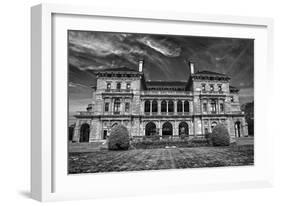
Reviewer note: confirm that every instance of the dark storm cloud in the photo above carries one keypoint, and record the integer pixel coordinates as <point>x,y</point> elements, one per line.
<point>165,56</point>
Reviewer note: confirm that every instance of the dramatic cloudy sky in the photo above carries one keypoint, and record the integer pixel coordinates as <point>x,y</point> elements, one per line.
<point>165,59</point>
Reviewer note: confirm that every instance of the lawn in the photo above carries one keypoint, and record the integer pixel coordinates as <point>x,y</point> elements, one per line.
<point>155,159</point>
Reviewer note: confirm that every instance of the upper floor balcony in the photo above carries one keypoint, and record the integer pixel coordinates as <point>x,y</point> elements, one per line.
<point>167,113</point>
<point>118,90</point>
<point>85,113</point>
<point>212,93</point>
<point>165,93</point>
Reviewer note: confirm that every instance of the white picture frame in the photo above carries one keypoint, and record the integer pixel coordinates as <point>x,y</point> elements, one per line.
<point>49,179</point>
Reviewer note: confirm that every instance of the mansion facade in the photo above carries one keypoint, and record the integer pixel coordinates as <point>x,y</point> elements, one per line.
<point>165,108</point>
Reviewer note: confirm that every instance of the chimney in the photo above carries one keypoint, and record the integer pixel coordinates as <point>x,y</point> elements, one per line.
<point>140,65</point>
<point>191,66</point>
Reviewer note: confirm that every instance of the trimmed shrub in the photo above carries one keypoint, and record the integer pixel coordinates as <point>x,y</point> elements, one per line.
<point>220,136</point>
<point>119,138</point>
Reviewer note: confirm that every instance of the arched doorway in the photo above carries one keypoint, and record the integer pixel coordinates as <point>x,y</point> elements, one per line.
<point>237,128</point>
<point>84,132</point>
<point>183,129</point>
<point>150,129</point>
<point>167,129</point>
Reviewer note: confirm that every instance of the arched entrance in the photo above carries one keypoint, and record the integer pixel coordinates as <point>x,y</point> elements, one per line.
<point>237,128</point>
<point>150,129</point>
<point>84,132</point>
<point>167,129</point>
<point>183,129</point>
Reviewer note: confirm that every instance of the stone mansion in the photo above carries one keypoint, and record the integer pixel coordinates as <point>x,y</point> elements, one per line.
<point>166,108</point>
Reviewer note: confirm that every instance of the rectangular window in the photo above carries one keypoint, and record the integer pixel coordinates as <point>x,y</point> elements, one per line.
<point>128,87</point>
<point>117,106</point>
<point>106,107</point>
<point>127,107</point>
<point>108,86</point>
<point>221,107</point>
<point>204,107</point>
<point>118,86</point>
<point>220,88</point>
<point>213,107</point>
<point>203,87</point>
<point>211,87</point>
<point>232,99</point>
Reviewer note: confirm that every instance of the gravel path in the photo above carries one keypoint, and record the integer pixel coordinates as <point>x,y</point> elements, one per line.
<point>155,159</point>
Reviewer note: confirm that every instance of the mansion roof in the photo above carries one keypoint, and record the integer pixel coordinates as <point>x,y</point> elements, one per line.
<point>205,74</point>
<point>208,73</point>
<point>163,84</point>
<point>117,70</point>
<point>160,84</point>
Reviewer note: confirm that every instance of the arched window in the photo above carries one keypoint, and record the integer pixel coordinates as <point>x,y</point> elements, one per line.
<point>170,106</point>
<point>179,106</point>
<point>237,128</point>
<point>150,129</point>
<point>147,106</point>
<point>127,107</point>
<point>183,129</point>
<point>186,106</point>
<point>113,125</point>
<point>213,125</point>
<point>213,106</point>
<point>117,106</point>
<point>221,107</point>
<point>163,106</point>
<point>154,106</point>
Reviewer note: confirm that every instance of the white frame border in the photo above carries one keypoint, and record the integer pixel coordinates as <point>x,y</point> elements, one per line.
<point>42,155</point>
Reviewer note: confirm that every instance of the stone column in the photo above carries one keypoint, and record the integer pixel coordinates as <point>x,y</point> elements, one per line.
<point>182,102</point>
<point>217,104</point>
<point>160,128</point>
<point>208,105</point>
<point>167,103</point>
<point>76,134</point>
<point>159,107</point>
<point>95,126</point>
<point>150,107</point>
<point>191,107</point>
<point>112,106</point>
<point>175,129</point>
<point>122,106</point>
<point>143,104</point>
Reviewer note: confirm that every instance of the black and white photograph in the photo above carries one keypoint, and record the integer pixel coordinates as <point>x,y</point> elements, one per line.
<point>153,102</point>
